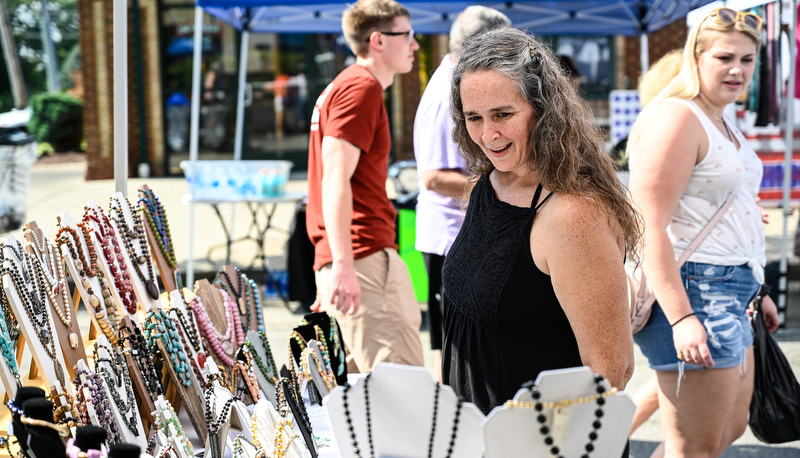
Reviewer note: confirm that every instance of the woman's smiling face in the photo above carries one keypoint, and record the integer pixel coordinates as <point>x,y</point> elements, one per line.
<point>498,118</point>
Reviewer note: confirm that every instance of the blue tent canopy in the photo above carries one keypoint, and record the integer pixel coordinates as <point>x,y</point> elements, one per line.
<point>543,17</point>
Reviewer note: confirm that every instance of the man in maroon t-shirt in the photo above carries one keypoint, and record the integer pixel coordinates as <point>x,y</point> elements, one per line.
<point>360,278</point>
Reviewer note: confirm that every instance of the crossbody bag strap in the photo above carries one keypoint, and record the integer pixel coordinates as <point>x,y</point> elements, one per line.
<point>706,230</point>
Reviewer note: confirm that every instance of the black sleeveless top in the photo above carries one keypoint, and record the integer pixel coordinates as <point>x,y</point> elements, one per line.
<point>502,322</point>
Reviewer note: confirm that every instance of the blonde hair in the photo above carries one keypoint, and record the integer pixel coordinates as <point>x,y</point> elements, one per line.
<point>565,146</point>
<point>686,85</point>
<point>366,16</point>
<point>659,75</point>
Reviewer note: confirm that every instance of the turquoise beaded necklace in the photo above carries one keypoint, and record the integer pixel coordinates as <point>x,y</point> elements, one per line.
<point>159,325</point>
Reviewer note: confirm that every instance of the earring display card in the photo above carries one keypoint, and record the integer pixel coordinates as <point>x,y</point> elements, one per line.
<point>624,107</point>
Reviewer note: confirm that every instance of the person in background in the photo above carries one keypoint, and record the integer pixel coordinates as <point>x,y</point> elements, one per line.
<point>546,214</point>
<point>698,338</point>
<point>571,70</point>
<point>361,279</point>
<point>441,169</point>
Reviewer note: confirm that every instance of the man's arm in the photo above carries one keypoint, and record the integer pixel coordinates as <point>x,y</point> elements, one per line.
<point>339,161</point>
<point>447,182</point>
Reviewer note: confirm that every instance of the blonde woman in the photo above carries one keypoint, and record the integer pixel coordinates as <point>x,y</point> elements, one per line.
<point>686,158</point>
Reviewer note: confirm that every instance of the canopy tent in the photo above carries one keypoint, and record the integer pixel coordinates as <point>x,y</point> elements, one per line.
<point>543,17</point>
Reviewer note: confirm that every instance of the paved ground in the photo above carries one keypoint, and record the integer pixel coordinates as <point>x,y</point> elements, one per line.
<point>60,187</point>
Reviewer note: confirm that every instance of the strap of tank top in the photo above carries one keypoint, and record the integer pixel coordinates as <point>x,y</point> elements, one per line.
<point>536,198</point>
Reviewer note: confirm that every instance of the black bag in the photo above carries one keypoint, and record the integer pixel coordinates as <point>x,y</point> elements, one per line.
<point>775,408</point>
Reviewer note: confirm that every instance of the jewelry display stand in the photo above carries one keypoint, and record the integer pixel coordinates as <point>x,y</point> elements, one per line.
<point>512,431</point>
<point>146,404</point>
<point>69,333</point>
<point>103,263</point>
<point>399,427</point>
<point>177,302</point>
<point>169,274</point>
<point>235,275</point>
<point>54,370</point>
<point>265,382</point>
<point>316,377</point>
<point>89,287</point>
<point>126,434</point>
<point>167,434</point>
<point>215,309</point>
<point>235,416</point>
<point>129,228</point>
<point>87,394</point>
<point>266,422</point>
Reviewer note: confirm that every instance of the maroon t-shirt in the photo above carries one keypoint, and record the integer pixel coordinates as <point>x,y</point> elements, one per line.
<point>351,108</point>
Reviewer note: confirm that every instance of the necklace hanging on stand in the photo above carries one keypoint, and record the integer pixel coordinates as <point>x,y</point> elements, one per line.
<point>138,257</point>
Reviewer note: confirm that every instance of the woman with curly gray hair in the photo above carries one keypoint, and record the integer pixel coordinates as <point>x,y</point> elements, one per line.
<point>535,279</point>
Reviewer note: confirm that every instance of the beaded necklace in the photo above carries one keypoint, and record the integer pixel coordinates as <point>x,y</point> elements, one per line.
<point>215,424</point>
<point>221,345</point>
<point>159,325</point>
<point>244,371</point>
<point>254,294</point>
<point>238,295</point>
<point>144,359</point>
<point>305,364</point>
<point>37,316</point>
<point>115,372</point>
<point>157,218</point>
<point>99,400</point>
<point>140,256</point>
<point>19,252</point>
<point>539,406</point>
<point>283,439</point>
<point>54,273</point>
<point>10,320</point>
<point>264,368</point>
<point>351,428</point>
<point>166,420</point>
<point>113,255</point>
<point>190,336</point>
<point>53,270</point>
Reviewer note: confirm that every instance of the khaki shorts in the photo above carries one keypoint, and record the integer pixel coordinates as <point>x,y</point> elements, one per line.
<point>386,326</point>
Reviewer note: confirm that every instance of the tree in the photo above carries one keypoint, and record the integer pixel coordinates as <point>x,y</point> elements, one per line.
<point>26,18</point>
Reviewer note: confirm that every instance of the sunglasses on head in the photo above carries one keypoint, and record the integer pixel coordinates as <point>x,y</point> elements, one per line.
<point>731,16</point>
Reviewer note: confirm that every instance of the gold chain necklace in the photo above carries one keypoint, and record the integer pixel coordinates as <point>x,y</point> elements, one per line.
<point>708,110</point>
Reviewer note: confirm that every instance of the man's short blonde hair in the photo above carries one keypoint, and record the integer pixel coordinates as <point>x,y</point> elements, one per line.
<point>367,16</point>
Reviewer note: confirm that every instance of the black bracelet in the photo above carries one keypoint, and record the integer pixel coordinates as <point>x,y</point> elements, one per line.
<point>681,319</point>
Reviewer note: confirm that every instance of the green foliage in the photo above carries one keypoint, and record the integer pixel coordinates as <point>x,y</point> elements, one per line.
<point>25,21</point>
<point>57,119</point>
<point>46,149</point>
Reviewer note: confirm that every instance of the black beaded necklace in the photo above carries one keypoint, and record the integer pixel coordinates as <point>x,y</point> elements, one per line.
<point>142,255</point>
<point>144,360</point>
<point>37,316</point>
<point>539,406</point>
<point>351,428</point>
<point>238,296</point>
<point>117,369</point>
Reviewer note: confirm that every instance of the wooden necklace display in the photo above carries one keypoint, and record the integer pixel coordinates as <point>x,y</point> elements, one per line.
<point>215,310</point>
<point>77,250</point>
<point>156,228</point>
<point>33,317</point>
<point>52,264</point>
<point>564,413</point>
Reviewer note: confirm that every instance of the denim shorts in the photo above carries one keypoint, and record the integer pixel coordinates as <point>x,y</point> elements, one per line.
<point>719,296</point>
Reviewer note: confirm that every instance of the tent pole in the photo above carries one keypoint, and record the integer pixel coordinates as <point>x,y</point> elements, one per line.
<point>120,24</point>
<point>243,51</point>
<point>787,164</point>
<point>194,130</point>
<point>644,52</point>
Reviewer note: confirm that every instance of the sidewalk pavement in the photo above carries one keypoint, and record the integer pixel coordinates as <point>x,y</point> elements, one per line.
<point>57,188</point>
